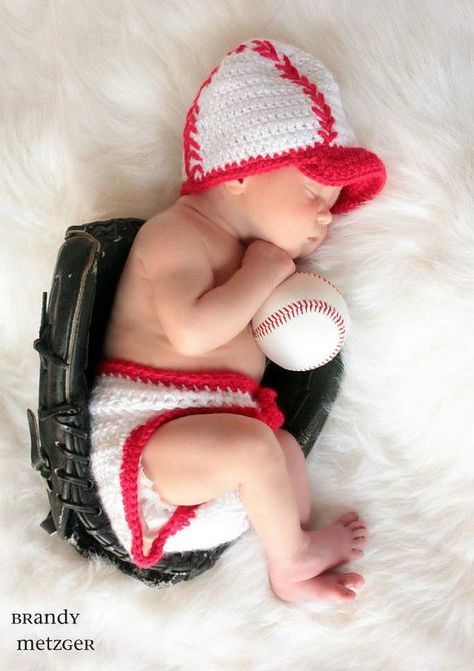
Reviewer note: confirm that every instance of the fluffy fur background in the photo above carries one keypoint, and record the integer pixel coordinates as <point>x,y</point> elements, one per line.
<point>93,100</point>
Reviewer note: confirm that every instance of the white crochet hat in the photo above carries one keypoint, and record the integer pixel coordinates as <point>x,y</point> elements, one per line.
<point>269,105</point>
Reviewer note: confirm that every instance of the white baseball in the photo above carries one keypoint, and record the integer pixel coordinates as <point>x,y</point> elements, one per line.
<point>303,323</point>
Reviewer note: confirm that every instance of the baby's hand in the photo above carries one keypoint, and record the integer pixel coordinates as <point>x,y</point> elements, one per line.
<point>269,260</point>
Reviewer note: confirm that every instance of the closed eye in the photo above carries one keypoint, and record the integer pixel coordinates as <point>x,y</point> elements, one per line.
<point>333,200</point>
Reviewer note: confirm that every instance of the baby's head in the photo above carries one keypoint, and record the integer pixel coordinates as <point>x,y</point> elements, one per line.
<point>269,117</point>
<point>282,206</point>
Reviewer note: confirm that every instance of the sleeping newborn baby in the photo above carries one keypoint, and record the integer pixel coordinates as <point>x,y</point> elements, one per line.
<point>187,448</point>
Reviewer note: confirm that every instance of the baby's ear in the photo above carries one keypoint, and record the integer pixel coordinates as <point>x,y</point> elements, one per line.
<point>236,186</point>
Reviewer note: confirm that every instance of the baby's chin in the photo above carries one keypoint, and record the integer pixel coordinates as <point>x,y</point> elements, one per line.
<point>307,248</point>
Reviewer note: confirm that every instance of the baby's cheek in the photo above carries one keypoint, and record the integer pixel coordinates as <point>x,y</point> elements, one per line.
<point>323,234</point>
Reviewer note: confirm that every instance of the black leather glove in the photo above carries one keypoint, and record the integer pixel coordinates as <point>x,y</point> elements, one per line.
<point>73,324</point>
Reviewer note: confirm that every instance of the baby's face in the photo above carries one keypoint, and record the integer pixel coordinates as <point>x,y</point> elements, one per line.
<point>291,210</point>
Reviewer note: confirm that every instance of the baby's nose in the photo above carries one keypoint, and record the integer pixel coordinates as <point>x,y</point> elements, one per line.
<point>324,218</point>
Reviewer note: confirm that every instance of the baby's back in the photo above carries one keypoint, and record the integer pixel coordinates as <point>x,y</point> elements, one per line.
<point>135,332</point>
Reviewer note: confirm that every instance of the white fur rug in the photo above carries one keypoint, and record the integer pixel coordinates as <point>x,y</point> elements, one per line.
<point>93,100</point>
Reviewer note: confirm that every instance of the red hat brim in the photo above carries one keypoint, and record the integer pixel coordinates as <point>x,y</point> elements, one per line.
<point>360,172</point>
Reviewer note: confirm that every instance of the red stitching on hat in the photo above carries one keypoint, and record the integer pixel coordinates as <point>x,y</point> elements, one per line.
<point>359,188</point>
<point>267,50</point>
<point>190,127</point>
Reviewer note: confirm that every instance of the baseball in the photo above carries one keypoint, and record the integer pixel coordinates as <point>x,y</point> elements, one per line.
<point>303,323</point>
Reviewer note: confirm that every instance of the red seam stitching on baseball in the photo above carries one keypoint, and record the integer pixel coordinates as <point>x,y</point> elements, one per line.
<point>321,277</point>
<point>296,308</point>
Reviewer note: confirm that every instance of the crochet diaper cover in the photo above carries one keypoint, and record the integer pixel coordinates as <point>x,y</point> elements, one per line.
<point>128,403</point>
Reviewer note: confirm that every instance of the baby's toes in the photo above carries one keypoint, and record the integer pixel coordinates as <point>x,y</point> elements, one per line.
<point>351,580</point>
<point>356,553</point>
<point>349,518</point>
<point>358,528</point>
<point>359,542</point>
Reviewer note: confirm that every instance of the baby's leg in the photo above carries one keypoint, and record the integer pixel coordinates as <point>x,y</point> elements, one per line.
<point>198,457</point>
<point>298,474</point>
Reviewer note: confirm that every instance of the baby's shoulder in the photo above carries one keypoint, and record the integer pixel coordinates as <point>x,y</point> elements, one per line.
<point>168,235</point>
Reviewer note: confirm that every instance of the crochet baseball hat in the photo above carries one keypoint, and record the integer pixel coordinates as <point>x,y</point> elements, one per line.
<point>270,105</point>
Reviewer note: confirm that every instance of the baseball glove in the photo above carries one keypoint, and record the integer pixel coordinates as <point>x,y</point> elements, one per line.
<point>72,329</point>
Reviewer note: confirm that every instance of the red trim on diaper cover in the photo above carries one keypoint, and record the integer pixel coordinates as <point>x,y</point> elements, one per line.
<point>267,412</point>
<point>213,379</point>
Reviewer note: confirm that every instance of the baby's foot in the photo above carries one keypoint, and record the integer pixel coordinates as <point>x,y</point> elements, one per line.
<point>325,548</point>
<point>328,586</point>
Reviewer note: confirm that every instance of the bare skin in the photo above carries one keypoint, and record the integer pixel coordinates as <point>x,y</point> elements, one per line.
<point>195,276</point>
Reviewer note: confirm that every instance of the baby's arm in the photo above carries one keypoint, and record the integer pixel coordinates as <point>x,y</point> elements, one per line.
<point>196,316</point>
<point>227,309</point>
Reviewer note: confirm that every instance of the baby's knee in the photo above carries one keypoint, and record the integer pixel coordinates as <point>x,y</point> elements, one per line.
<point>288,443</point>
<point>285,438</point>
<point>260,445</point>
